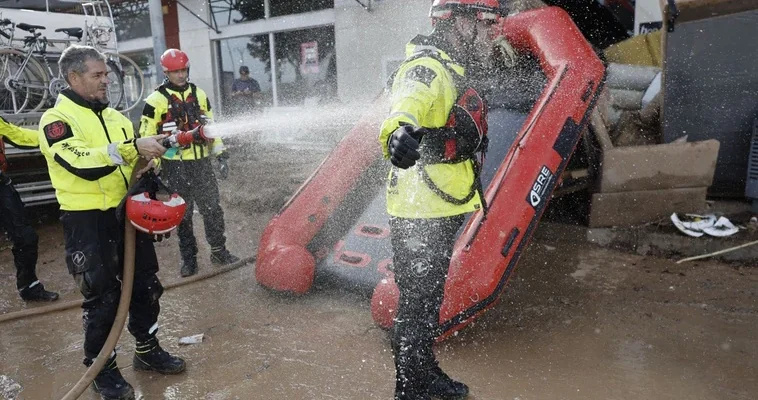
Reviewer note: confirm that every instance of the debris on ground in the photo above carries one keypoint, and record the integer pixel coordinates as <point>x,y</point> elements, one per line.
<point>698,225</point>
<point>9,389</point>
<point>194,339</point>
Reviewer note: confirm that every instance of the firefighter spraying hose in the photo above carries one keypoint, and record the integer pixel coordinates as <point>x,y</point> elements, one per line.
<point>91,150</point>
<point>203,133</point>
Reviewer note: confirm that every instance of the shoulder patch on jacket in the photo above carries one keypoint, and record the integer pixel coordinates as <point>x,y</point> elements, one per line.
<point>148,111</point>
<point>57,131</point>
<point>421,74</point>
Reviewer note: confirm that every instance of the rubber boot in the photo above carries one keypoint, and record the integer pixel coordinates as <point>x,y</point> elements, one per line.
<point>444,387</point>
<point>37,292</point>
<point>223,257</point>
<point>149,356</point>
<point>189,267</point>
<point>109,383</point>
<point>410,379</point>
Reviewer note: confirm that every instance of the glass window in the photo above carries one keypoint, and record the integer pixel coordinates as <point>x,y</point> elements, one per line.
<point>132,19</point>
<point>287,7</point>
<point>144,59</point>
<point>228,12</point>
<point>251,52</point>
<point>307,70</point>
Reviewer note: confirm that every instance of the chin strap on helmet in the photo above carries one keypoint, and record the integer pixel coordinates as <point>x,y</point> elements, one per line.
<point>149,214</point>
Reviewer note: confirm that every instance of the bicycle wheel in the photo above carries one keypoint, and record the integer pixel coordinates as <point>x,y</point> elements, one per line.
<point>24,85</point>
<point>12,99</point>
<point>132,82</point>
<point>115,84</point>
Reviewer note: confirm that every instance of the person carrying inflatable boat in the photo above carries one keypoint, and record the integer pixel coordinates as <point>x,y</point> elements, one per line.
<point>433,136</point>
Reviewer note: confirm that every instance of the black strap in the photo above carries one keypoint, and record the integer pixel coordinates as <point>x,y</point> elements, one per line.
<point>445,196</point>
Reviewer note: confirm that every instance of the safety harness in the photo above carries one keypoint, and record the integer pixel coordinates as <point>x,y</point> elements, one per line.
<point>463,136</point>
<point>185,113</point>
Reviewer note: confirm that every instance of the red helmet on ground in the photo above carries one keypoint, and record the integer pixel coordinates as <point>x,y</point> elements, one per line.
<point>155,217</point>
<point>482,9</point>
<point>174,60</point>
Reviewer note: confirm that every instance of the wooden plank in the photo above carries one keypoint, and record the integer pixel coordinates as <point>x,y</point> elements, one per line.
<point>600,130</point>
<point>641,207</point>
<point>656,167</point>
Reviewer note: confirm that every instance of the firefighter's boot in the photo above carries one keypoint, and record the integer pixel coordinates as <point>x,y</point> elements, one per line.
<point>189,266</point>
<point>37,292</point>
<point>444,387</point>
<point>149,356</point>
<point>109,383</point>
<point>222,256</point>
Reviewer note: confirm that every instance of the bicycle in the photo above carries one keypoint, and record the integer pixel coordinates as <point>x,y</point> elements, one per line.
<point>22,76</point>
<point>35,82</point>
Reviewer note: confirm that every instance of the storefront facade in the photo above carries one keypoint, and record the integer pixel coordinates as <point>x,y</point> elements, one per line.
<point>300,52</point>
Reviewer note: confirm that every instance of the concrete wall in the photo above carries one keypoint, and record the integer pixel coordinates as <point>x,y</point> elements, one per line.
<point>366,42</point>
<point>195,41</point>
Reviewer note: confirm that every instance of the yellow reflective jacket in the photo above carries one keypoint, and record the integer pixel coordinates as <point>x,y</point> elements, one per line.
<point>170,108</point>
<point>18,137</point>
<point>422,95</point>
<point>90,153</point>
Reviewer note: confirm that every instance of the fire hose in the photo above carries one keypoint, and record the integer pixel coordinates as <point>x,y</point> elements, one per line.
<point>123,310</point>
<point>127,285</point>
<point>118,324</point>
<point>62,306</point>
<point>140,205</point>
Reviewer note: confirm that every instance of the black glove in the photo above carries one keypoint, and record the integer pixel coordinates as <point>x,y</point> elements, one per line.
<point>403,147</point>
<point>223,166</point>
<point>159,238</point>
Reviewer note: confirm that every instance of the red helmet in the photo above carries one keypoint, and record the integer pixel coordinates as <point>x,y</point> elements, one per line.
<point>146,212</point>
<point>174,60</point>
<point>155,217</point>
<point>482,9</point>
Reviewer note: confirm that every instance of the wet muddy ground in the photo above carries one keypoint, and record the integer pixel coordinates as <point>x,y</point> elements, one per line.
<point>576,322</point>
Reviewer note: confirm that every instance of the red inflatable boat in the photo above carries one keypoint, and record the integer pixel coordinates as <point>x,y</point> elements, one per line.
<point>335,231</point>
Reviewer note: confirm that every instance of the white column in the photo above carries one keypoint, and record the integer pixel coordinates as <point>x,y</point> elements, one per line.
<point>194,37</point>
<point>272,55</point>
<point>158,32</point>
<point>274,83</point>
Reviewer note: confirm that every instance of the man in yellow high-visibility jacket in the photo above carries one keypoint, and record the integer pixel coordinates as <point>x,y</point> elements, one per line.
<point>437,125</point>
<point>177,104</point>
<point>13,218</point>
<point>91,151</point>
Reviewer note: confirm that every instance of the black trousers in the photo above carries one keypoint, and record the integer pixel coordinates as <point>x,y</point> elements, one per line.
<point>94,256</point>
<point>13,221</point>
<point>195,181</point>
<point>422,251</point>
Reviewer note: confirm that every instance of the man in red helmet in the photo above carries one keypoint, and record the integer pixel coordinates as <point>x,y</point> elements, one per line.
<point>436,127</point>
<point>91,151</point>
<point>179,105</point>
